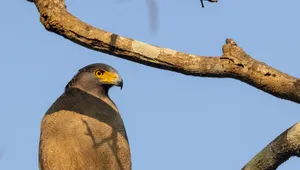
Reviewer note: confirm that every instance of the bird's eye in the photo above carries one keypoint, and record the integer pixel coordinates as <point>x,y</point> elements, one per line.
<point>98,73</point>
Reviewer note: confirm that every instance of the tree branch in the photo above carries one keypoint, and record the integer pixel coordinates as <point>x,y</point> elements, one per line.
<point>278,151</point>
<point>234,63</point>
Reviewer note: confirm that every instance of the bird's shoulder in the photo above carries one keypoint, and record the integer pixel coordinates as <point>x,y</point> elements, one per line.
<point>80,102</point>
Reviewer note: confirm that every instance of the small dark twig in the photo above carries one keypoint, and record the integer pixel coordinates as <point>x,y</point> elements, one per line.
<point>202,3</point>
<point>214,1</point>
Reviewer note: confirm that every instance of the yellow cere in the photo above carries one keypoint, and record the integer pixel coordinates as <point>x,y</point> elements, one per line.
<point>106,76</point>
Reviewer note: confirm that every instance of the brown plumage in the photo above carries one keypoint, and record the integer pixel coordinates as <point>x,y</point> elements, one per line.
<point>83,129</point>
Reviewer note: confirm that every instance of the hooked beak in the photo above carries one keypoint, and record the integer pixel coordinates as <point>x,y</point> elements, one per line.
<point>119,82</point>
<point>112,79</point>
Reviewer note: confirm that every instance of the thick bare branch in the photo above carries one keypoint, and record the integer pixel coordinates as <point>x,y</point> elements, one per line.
<point>234,63</point>
<point>278,151</point>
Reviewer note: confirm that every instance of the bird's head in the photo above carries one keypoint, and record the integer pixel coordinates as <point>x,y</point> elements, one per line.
<point>95,77</point>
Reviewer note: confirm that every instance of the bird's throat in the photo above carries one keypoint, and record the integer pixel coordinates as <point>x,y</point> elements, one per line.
<point>101,93</point>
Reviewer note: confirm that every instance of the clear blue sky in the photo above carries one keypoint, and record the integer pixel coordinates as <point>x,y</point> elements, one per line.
<point>173,121</point>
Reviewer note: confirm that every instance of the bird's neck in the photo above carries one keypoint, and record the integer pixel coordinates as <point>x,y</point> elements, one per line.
<point>101,93</point>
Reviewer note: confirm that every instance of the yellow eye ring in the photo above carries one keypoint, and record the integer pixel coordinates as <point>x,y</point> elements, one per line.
<point>98,73</point>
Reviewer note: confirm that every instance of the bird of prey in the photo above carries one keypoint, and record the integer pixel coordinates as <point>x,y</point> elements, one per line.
<point>83,129</point>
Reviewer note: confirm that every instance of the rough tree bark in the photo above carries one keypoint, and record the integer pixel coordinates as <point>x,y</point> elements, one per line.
<point>234,63</point>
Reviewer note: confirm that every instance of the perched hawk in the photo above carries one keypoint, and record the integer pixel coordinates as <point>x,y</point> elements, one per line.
<point>83,129</point>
